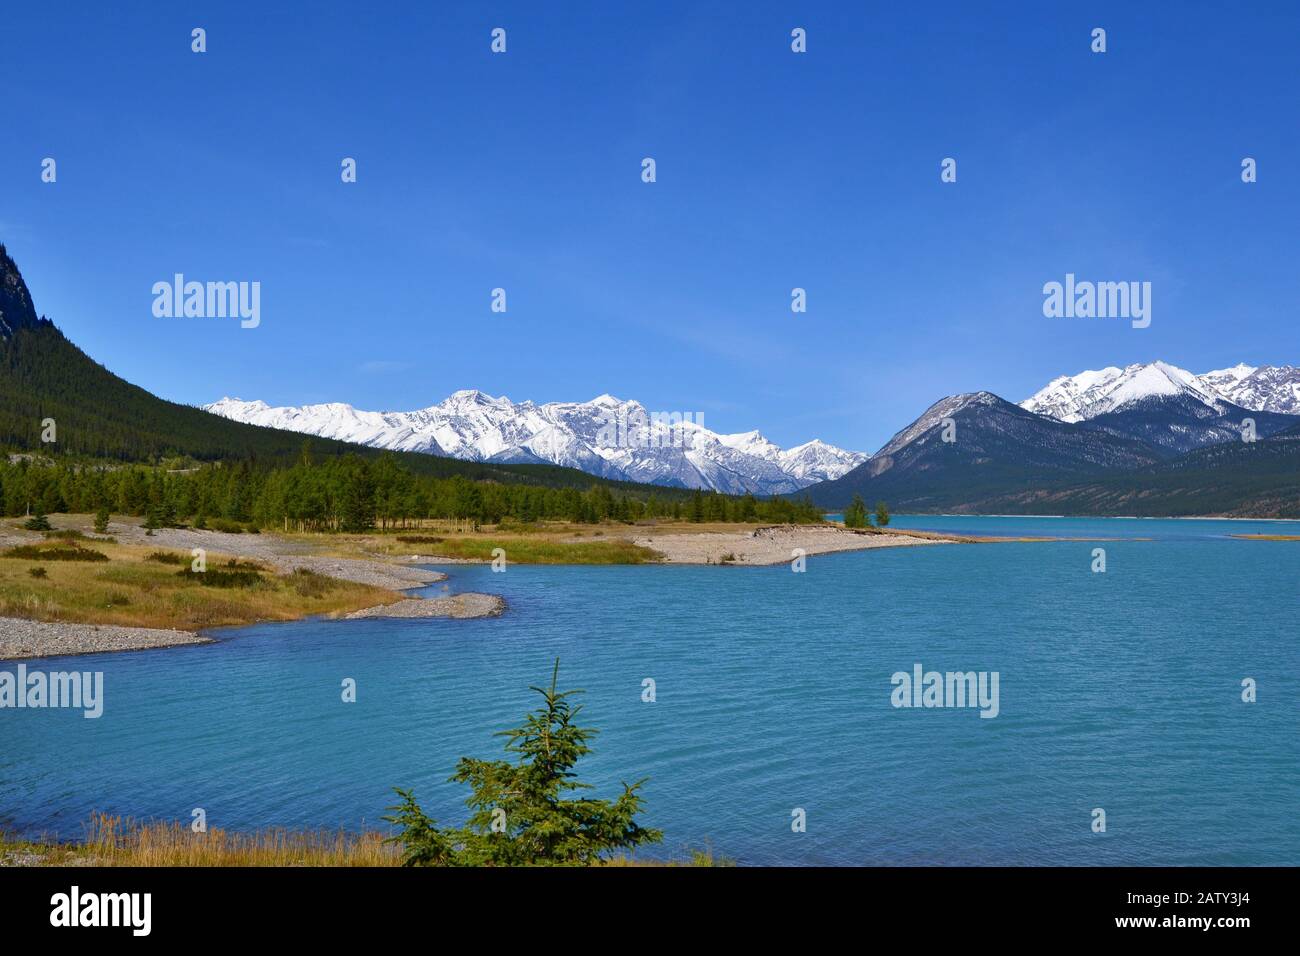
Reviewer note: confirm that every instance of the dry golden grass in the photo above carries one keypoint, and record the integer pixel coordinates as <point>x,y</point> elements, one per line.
<point>131,590</point>
<point>538,550</point>
<point>114,841</point>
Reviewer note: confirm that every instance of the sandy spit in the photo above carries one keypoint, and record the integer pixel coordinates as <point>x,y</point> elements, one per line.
<point>469,604</point>
<point>772,545</point>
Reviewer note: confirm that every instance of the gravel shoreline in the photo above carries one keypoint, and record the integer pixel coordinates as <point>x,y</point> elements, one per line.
<point>24,639</point>
<point>284,556</point>
<point>21,639</point>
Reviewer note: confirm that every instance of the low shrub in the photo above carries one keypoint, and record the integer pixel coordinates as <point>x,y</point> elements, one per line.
<point>248,565</point>
<point>308,583</point>
<point>45,552</point>
<point>167,557</point>
<point>223,577</point>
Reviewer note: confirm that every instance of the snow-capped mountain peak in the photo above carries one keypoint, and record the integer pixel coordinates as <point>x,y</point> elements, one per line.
<point>1227,376</point>
<point>606,436</point>
<point>751,443</point>
<point>1076,398</point>
<point>817,461</point>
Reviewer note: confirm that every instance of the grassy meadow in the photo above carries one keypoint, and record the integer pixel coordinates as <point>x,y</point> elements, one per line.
<point>95,580</point>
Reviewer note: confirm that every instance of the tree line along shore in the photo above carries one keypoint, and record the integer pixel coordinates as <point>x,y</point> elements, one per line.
<point>350,493</point>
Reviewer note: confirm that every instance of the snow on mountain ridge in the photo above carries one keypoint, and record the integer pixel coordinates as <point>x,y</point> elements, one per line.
<point>1229,375</point>
<point>934,415</point>
<point>1268,388</point>
<point>1074,398</point>
<point>606,436</point>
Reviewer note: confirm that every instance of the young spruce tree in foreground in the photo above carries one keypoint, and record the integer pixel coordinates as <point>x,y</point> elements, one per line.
<point>520,816</point>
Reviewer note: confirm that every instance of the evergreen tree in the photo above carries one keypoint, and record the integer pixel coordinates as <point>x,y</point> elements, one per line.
<point>882,514</point>
<point>520,816</point>
<point>37,522</point>
<point>166,514</point>
<point>855,516</point>
<point>101,520</point>
<point>51,501</point>
<point>358,504</point>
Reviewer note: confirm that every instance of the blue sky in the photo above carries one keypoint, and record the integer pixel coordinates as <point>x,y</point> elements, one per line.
<point>775,170</point>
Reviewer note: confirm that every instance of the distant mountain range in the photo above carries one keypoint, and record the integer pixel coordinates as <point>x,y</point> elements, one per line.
<point>101,416</point>
<point>1113,421</point>
<point>606,436</point>
<point>1149,439</point>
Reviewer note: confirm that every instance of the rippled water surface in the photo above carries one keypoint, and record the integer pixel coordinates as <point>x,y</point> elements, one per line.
<point>1119,690</point>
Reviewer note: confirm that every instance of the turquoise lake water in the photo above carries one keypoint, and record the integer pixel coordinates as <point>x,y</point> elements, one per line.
<point>1119,691</point>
